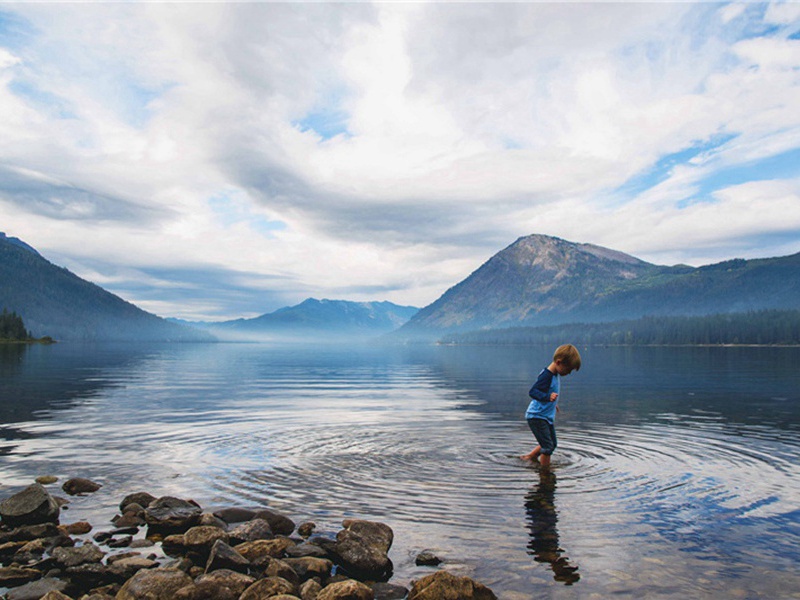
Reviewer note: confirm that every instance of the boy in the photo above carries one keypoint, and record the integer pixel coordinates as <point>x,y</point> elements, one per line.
<point>541,413</point>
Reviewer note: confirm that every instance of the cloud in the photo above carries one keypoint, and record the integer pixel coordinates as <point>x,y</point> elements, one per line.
<point>208,160</point>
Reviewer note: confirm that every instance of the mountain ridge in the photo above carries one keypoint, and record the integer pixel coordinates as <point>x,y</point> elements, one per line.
<point>544,280</point>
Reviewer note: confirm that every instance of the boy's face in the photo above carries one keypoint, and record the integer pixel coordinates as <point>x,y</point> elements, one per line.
<point>563,368</point>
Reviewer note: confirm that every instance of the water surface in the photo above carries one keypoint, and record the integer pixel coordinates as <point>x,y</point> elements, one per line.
<point>676,474</point>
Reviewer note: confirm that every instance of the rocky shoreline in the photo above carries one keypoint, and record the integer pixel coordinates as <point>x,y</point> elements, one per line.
<point>189,554</point>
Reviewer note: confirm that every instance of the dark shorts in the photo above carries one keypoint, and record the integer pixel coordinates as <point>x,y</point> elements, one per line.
<point>545,434</point>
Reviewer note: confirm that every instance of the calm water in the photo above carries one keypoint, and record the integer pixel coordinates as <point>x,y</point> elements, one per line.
<point>676,474</point>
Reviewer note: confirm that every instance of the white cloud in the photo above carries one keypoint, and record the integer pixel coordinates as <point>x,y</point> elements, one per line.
<point>461,127</point>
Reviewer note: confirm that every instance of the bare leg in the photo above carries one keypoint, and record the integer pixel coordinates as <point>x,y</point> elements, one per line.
<point>545,460</point>
<point>533,454</point>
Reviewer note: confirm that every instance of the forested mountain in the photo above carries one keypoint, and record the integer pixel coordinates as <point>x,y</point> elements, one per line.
<point>541,280</point>
<point>316,319</point>
<point>54,302</point>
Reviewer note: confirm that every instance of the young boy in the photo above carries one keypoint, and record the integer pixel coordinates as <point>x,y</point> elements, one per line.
<point>541,413</point>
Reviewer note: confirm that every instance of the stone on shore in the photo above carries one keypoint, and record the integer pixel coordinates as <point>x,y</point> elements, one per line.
<point>250,531</point>
<point>269,587</point>
<point>11,576</point>
<point>362,549</point>
<point>235,514</point>
<point>276,548</point>
<point>222,556</point>
<point>35,590</point>
<point>388,591</point>
<point>154,584</point>
<point>72,557</point>
<point>31,506</point>
<point>79,485</point>
<point>349,589</point>
<point>172,514</point>
<point>46,479</point>
<point>308,567</point>
<point>201,539</point>
<point>446,586</point>
<point>280,524</point>
<point>237,582</point>
<point>55,595</point>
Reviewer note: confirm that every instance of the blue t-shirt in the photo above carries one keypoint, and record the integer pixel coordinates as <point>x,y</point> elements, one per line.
<point>540,406</point>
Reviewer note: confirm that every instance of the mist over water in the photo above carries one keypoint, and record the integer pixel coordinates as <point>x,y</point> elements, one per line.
<point>676,473</point>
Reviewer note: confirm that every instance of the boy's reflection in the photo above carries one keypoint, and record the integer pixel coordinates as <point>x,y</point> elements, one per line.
<point>542,519</point>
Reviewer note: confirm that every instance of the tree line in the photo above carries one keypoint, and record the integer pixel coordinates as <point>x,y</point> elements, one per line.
<point>763,327</point>
<point>12,327</point>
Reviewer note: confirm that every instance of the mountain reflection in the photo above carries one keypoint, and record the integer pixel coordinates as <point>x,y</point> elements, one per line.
<point>542,519</point>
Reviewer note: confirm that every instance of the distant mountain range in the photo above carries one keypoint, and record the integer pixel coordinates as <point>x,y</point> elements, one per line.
<point>538,280</point>
<point>316,319</point>
<point>54,302</point>
<point>541,280</point>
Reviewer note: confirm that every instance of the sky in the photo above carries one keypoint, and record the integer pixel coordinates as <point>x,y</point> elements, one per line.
<point>210,161</point>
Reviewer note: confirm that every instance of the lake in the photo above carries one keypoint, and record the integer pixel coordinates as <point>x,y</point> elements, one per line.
<point>677,473</point>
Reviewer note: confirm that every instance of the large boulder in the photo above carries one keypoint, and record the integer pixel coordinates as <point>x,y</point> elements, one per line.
<point>172,514</point>
<point>346,590</point>
<point>361,549</point>
<point>446,586</point>
<point>154,584</point>
<point>140,498</point>
<point>31,506</point>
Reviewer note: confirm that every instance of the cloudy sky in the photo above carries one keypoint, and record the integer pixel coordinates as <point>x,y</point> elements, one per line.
<point>219,160</point>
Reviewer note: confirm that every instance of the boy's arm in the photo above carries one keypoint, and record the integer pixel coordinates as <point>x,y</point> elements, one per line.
<point>541,389</point>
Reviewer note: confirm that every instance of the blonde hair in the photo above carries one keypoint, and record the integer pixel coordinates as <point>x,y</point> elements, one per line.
<point>569,355</point>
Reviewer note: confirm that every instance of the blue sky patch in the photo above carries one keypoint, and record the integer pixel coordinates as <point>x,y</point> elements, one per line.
<point>230,210</point>
<point>328,119</point>
<point>664,167</point>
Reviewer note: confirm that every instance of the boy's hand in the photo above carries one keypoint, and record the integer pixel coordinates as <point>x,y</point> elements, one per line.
<point>553,397</point>
<point>558,409</point>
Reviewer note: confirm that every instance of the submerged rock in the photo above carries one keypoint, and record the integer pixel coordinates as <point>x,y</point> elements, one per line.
<point>31,506</point>
<point>79,485</point>
<point>362,549</point>
<point>446,586</point>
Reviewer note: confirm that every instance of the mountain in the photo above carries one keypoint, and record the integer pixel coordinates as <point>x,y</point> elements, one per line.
<point>55,302</point>
<point>542,280</point>
<point>318,319</point>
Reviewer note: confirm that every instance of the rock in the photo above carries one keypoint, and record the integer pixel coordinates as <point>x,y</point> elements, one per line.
<point>427,559</point>
<point>154,584</point>
<point>237,582</point>
<point>142,499</point>
<point>35,590</point>
<point>306,549</point>
<point>79,485</point>
<point>174,545</point>
<point>201,539</point>
<point>446,586</point>
<point>388,591</point>
<point>308,567</point>
<point>209,520</point>
<point>46,479</point>
<point>90,575</point>
<point>122,542</point>
<point>361,549</point>
<point>346,590</point>
<point>79,528</point>
<point>306,529</point>
<point>278,568</point>
<point>250,531</point>
<point>14,576</point>
<point>30,532</point>
<point>31,506</point>
<point>72,557</point>
<point>204,591</point>
<point>144,543</point>
<point>373,533</point>
<point>280,524</point>
<point>310,589</point>
<point>100,594</point>
<point>254,550</point>
<point>55,595</point>
<point>125,568</point>
<point>268,587</point>
<point>222,556</point>
<point>235,514</point>
<point>172,514</point>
